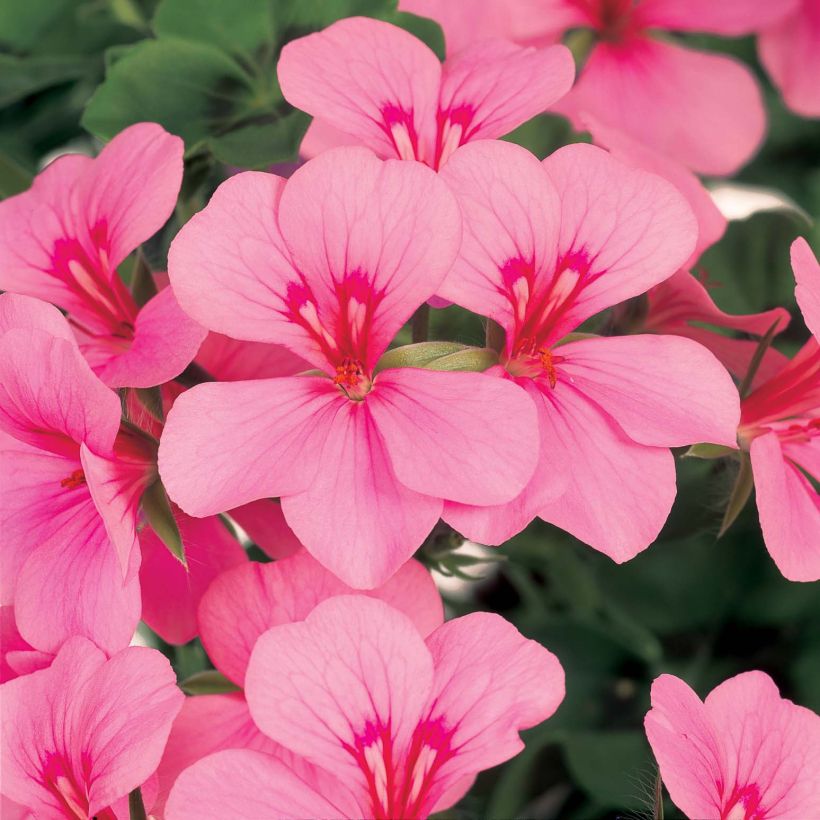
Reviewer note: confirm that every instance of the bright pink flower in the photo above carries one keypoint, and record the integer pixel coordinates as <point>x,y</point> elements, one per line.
<point>241,605</point>
<point>780,426</point>
<point>332,264</point>
<point>704,110</point>
<point>744,753</point>
<point>790,52</point>
<point>62,241</point>
<point>381,87</point>
<point>17,656</point>
<point>547,246</point>
<point>682,306</point>
<point>400,726</point>
<point>69,488</point>
<point>85,732</point>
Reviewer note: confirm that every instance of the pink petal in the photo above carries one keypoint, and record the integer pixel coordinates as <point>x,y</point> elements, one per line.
<point>673,99</point>
<point>72,587</point>
<point>17,656</point>
<point>50,398</point>
<point>233,247</point>
<point>356,518</point>
<point>732,18</point>
<point>690,756</point>
<point>170,592</point>
<point>165,343</point>
<point>632,228</point>
<point>789,509</point>
<point>321,136</point>
<point>232,360</point>
<point>495,86</point>
<point>238,784</point>
<point>132,186</point>
<point>711,222</point>
<point>265,524</point>
<point>449,435</point>
<point>664,391</point>
<point>229,443</point>
<point>26,312</point>
<point>369,79</point>
<point>619,493</point>
<point>353,671</point>
<point>789,52</point>
<point>245,602</point>
<point>807,274</point>
<point>353,224</point>
<point>511,211</point>
<point>30,225</point>
<point>772,745</point>
<point>490,683</point>
<point>229,726</point>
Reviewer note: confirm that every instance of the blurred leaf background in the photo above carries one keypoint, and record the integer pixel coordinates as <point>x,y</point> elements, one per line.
<point>75,72</point>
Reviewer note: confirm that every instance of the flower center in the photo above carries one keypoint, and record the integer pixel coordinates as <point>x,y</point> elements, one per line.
<point>351,378</point>
<point>535,362</point>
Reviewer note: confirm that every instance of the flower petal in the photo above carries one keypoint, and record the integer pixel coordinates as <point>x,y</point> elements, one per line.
<point>225,444</point>
<point>664,391</point>
<point>449,434</point>
<point>732,18</point>
<point>807,273</point>
<point>356,518</point>
<point>789,509</point>
<point>369,79</point>
<point>265,524</point>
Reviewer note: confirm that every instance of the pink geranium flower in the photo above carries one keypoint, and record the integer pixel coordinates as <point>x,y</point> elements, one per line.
<point>241,605</point>
<point>790,51</point>
<point>546,246</point>
<point>332,264</point>
<point>780,426</point>
<point>62,241</point>
<point>744,753</point>
<point>397,726</point>
<point>69,488</point>
<point>704,110</point>
<point>79,736</point>
<point>371,83</point>
<point>683,306</point>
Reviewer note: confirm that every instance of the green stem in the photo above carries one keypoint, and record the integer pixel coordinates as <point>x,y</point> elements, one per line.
<point>420,324</point>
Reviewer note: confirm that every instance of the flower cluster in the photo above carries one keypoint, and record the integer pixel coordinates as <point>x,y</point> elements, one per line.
<point>267,385</point>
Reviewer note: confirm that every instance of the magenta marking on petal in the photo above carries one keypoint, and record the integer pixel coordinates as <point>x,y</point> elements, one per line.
<point>399,126</point>
<point>744,804</point>
<point>453,130</point>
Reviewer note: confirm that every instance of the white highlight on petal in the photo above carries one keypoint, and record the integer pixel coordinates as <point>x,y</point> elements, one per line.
<point>309,313</point>
<point>424,762</point>
<point>356,313</point>
<point>374,757</point>
<point>401,137</point>
<point>521,292</point>
<point>86,281</point>
<point>450,140</point>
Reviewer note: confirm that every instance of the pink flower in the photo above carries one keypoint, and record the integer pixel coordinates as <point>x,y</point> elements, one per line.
<point>397,726</point>
<point>373,84</point>
<point>780,426</point>
<point>332,264</point>
<point>17,656</point>
<point>744,753</point>
<point>546,247</point>
<point>704,110</point>
<point>62,241</point>
<point>79,736</point>
<point>682,306</point>
<point>790,51</point>
<point>69,488</point>
<point>241,605</point>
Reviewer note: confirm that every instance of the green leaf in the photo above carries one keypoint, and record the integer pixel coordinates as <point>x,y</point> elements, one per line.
<point>743,486</point>
<point>419,354</point>
<point>709,451</point>
<point>428,31</point>
<point>22,23</point>
<point>23,76</point>
<point>13,177</point>
<point>208,682</point>
<point>613,768</point>
<point>160,518</point>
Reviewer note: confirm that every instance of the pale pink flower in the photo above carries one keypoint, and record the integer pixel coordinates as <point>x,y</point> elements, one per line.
<point>395,725</point>
<point>683,306</point>
<point>241,605</point>
<point>744,753</point>
<point>790,51</point>
<point>703,109</point>
<point>69,488</point>
<point>371,83</point>
<point>547,246</point>
<point>332,264</point>
<point>780,426</point>
<point>79,736</point>
<point>62,241</point>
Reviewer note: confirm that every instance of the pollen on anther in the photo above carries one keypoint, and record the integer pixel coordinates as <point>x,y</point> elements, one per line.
<point>74,480</point>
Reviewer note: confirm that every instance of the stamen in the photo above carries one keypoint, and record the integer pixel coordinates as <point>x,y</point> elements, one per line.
<point>76,479</point>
